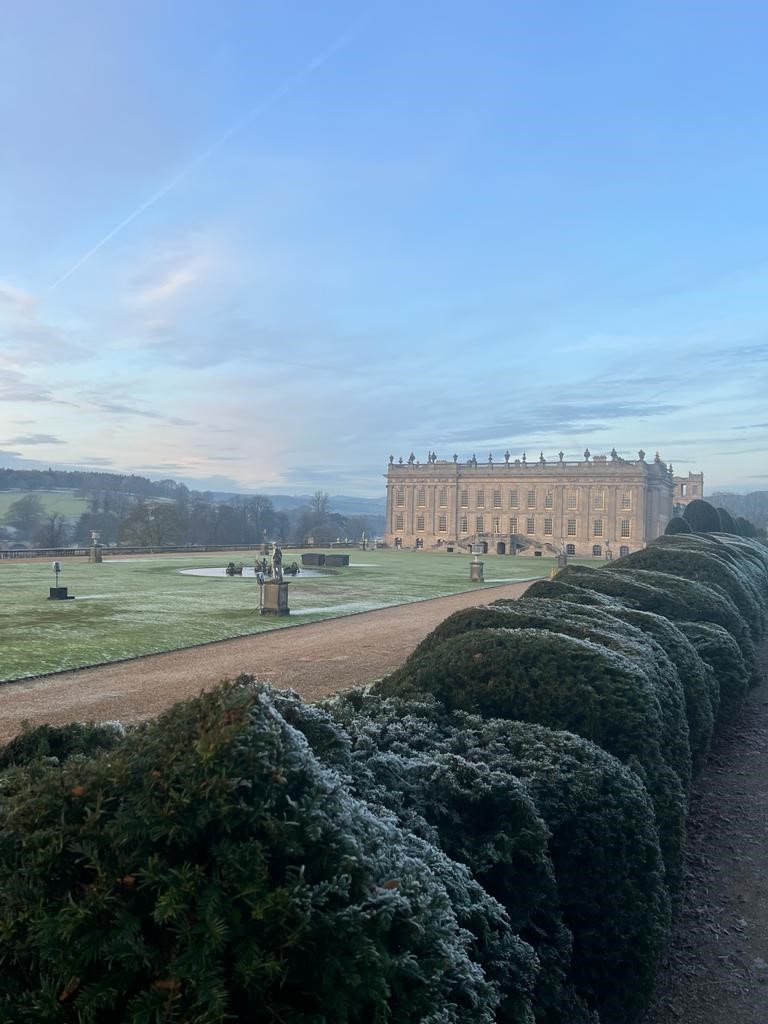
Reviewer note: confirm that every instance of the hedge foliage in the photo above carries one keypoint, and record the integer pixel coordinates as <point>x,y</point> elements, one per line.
<point>210,868</point>
<point>678,525</point>
<point>564,683</point>
<point>701,516</point>
<point>719,650</point>
<point>602,835</point>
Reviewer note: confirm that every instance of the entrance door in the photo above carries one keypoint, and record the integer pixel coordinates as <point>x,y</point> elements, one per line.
<point>501,548</point>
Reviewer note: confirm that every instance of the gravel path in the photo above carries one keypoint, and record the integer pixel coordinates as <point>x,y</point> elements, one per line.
<point>315,659</point>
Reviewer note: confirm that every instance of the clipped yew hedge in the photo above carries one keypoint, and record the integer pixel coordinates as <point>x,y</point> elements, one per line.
<point>209,868</point>
<point>564,683</point>
<point>720,651</point>
<point>602,835</point>
<point>59,742</point>
<point>588,623</point>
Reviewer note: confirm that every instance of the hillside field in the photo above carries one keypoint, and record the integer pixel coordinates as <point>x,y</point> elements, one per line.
<point>65,503</point>
<point>125,607</point>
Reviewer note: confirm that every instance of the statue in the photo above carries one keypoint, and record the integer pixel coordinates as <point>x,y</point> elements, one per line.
<point>277,564</point>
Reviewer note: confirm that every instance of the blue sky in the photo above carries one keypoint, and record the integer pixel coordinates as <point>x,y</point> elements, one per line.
<point>266,245</point>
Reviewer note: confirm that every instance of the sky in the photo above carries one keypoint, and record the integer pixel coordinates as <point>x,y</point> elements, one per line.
<point>263,246</point>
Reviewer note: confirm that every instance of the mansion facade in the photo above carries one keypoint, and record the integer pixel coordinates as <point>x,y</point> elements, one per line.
<point>598,507</point>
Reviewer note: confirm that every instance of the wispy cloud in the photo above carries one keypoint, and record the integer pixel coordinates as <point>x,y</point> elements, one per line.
<point>31,439</point>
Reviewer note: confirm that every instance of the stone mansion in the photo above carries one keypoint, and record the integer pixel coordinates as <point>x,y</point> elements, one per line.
<point>598,507</point>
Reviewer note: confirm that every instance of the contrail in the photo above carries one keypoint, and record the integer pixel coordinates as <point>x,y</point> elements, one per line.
<point>283,90</point>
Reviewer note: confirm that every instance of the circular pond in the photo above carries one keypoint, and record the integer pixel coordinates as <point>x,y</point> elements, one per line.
<point>248,570</point>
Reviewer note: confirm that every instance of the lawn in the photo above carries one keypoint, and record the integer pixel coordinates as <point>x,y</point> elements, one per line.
<point>128,607</point>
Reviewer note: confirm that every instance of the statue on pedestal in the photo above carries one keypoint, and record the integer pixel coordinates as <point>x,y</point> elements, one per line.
<point>277,564</point>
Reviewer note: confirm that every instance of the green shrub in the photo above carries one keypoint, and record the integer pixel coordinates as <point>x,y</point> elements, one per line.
<point>209,868</point>
<point>705,567</point>
<point>727,522</point>
<point>720,651</point>
<point>745,527</point>
<point>701,516</point>
<point>678,525</point>
<point>59,742</point>
<point>603,838</point>
<point>563,683</point>
<point>589,623</point>
<point>676,598</point>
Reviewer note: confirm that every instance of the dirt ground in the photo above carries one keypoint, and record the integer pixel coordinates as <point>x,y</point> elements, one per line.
<point>716,971</point>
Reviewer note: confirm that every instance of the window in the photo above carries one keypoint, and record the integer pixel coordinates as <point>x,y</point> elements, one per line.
<point>400,497</point>
<point>463,525</point>
<point>530,526</point>
<point>623,550</point>
<point>598,530</point>
<point>421,496</point>
<point>570,527</point>
<point>513,498</point>
<point>547,527</point>
<point>442,497</point>
<point>625,501</point>
<point>481,499</point>
<point>496,525</point>
<point>600,500</point>
<point>572,500</point>
<point>570,549</point>
<point>624,527</point>
<point>596,550</point>
<point>549,500</point>
<point>479,524</point>
<point>399,521</point>
<point>464,498</point>
<point>442,524</point>
<point>684,490</point>
<point>497,499</point>
<point>513,524</point>
<point>420,524</point>
<point>531,499</point>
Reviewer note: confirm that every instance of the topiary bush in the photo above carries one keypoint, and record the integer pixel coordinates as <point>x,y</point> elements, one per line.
<point>701,516</point>
<point>209,868</point>
<point>677,525</point>
<point>727,522</point>
<point>589,623</point>
<point>721,652</point>
<point>563,683</point>
<point>705,567</point>
<point>603,839</point>
<point>59,742</point>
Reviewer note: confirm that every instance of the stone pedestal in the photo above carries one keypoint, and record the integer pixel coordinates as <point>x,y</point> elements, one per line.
<point>94,555</point>
<point>58,594</point>
<point>476,572</point>
<point>562,561</point>
<point>275,601</point>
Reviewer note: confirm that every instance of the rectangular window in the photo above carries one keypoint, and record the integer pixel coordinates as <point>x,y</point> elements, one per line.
<point>421,497</point>
<point>399,521</point>
<point>624,527</point>
<point>513,498</point>
<point>598,531</point>
<point>549,500</point>
<point>497,499</point>
<point>442,497</point>
<point>481,499</point>
<point>570,527</point>
<point>513,524</point>
<point>464,498</point>
<point>531,499</point>
<point>600,500</point>
<point>625,501</point>
<point>496,525</point>
<point>420,524</point>
<point>548,527</point>
<point>530,526</point>
<point>479,524</point>
<point>463,525</point>
<point>442,524</point>
<point>399,498</point>
<point>572,500</point>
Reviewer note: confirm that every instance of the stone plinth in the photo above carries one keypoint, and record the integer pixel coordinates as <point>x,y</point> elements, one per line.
<point>337,559</point>
<point>59,594</point>
<point>94,555</point>
<point>312,558</point>
<point>476,572</point>
<point>275,598</point>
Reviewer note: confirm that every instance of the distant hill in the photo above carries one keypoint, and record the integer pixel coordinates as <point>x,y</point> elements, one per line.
<point>752,506</point>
